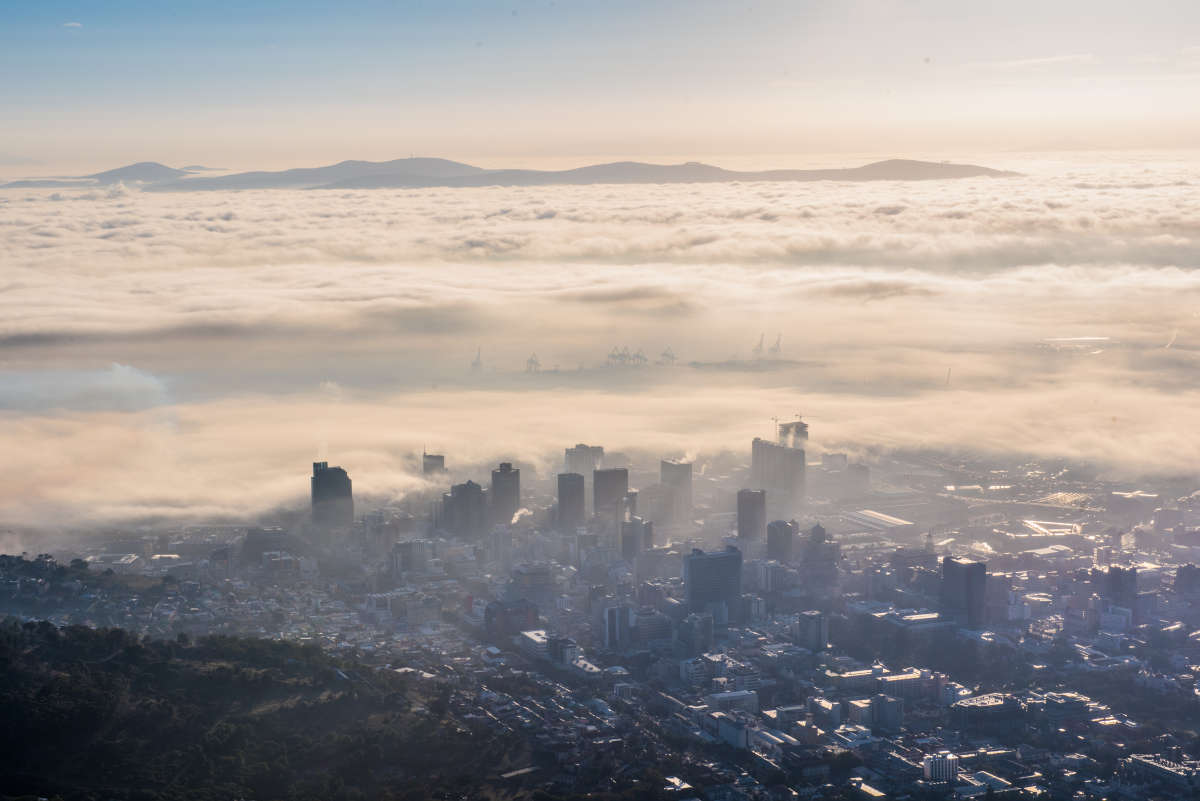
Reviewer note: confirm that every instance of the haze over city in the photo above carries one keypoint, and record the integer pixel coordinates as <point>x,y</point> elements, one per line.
<point>560,400</point>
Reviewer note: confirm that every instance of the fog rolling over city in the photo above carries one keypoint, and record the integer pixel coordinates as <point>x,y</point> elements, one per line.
<point>157,338</point>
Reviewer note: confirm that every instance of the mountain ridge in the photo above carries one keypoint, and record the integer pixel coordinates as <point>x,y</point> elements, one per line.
<point>428,172</point>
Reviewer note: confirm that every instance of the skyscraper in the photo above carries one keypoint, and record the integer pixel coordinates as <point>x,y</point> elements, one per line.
<point>1119,586</point>
<point>570,501</point>
<point>583,459</point>
<point>781,540</point>
<point>500,546</point>
<point>779,467</point>
<point>751,514</point>
<point>964,590</point>
<point>332,499</point>
<point>505,493</point>
<point>410,555</point>
<point>819,559</point>
<point>609,490</point>
<point>811,630</point>
<point>941,767</point>
<point>676,476</point>
<point>636,536</point>
<point>616,626</point>
<point>629,505</point>
<point>433,464</point>
<point>464,510</point>
<point>713,581</point>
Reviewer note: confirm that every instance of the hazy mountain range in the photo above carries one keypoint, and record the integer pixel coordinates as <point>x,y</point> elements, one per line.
<point>434,172</point>
<point>144,172</point>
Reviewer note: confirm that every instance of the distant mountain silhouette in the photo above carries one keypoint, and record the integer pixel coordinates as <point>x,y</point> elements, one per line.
<point>434,172</point>
<point>621,172</point>
<point>146,172</point>
<point>421,173</point>
<point>201,168</point>
<point>49,183</point>
<point>400,172</point>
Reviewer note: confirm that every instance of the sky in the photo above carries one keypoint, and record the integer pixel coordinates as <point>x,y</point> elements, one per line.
<point>274,84</point>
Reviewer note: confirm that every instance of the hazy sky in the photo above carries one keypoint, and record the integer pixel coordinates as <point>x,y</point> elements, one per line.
<point>281,83</point>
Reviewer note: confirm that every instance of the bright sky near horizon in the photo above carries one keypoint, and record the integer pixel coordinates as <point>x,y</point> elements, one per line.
<point>282,83</point>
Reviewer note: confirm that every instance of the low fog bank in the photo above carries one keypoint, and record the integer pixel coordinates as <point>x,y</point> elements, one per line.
<point>243,456</point>
<point>184,357</point>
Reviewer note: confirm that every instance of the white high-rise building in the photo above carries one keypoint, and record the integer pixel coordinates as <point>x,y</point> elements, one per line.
<point>940,767</point>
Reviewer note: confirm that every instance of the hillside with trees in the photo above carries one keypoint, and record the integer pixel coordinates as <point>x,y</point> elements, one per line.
<point>104,714</point>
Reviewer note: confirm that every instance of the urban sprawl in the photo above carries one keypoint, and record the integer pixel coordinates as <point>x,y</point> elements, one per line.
<point>764,627</point>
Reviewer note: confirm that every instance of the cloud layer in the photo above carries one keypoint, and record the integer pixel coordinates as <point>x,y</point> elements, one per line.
<point>152,343</point>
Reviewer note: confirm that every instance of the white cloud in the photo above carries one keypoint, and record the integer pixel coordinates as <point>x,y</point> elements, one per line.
<point>283,319</point>
<point>72,24</point>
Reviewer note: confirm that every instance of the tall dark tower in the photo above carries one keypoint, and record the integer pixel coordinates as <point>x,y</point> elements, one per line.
<point>780,467</point>
<point>713,580</point>
<point>332,499</point>
<point>781,540</point>
<point>964,590</point>
<point>571,499</point>
<point>1119,586</point>
<point>433,464</point>
<point>464,510</point>
<point>751,514</point>
<point>583,459</point>
<point>506,493</point>
<point>610,488</point>
<point>676,476</point>
<point>636,536</point>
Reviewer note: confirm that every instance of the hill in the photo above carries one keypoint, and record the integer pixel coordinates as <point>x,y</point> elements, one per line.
<point>143,172</point>
<point>104,714</point>
<point>401,172</point>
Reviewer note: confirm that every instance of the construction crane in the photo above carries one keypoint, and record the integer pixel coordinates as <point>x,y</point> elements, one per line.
<point>477,362</point>
<point>777,348</point>
<point>758,349</point>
